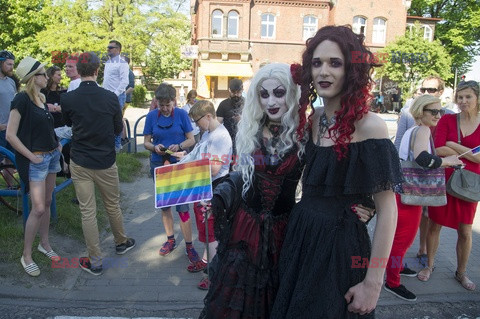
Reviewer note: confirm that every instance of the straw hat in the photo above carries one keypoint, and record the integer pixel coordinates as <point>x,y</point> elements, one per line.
<point>27,68</point>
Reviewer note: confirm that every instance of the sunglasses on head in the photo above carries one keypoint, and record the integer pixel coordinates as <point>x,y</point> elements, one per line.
<point>429,90</point>
<point>435,112</point>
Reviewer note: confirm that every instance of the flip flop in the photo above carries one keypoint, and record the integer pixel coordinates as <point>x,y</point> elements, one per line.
<point>465,281</point>
<point>31,269</point>
<point>50,254</point>
<point>425,273</point>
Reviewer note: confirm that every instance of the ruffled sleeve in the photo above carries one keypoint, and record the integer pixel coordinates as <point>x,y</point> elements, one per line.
<point>371,166</point>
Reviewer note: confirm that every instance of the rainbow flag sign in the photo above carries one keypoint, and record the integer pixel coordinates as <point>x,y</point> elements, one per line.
<point>183,183</point>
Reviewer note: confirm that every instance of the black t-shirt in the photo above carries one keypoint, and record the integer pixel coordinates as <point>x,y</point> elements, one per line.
<point>53,97</point>
<point>42,134</point>
<point>230,110</point>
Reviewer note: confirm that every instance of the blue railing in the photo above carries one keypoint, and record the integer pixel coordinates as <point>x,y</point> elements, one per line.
<point>21,191</point>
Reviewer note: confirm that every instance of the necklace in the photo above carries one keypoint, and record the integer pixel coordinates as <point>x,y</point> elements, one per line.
<point>271,144</point>
<point>324,124</point>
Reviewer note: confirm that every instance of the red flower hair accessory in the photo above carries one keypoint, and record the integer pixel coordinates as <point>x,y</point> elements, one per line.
<point>296,71</point>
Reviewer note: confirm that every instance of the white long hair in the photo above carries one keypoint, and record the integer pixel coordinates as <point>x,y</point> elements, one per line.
<point>253,120</point>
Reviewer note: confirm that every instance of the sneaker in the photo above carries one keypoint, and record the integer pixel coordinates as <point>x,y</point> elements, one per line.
<point>401,292</point>
<point>192,254</point>
<point>167,247</point>
<point>126,246</point>
<point>407,272</point>
<point>87,266</point>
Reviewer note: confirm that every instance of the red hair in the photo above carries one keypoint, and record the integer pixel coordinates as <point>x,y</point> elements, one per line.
<point>354,102</point>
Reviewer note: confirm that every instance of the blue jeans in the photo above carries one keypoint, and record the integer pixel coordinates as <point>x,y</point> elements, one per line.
<point>118,138</point>
<point>50,165</point>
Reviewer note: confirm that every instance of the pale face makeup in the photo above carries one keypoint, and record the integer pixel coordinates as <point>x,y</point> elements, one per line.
<point>272,96</point>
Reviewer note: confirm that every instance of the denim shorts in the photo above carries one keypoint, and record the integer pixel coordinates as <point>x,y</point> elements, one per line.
<point>49,165</point>
<point>179,208</point>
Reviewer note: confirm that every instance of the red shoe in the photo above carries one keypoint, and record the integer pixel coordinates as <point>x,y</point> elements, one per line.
<point>192,254</point>
<point>197,266</point>
<point>167,247</point>
<point>204,284</point>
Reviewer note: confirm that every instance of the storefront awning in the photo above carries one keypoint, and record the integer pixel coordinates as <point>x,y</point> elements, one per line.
<point>225,69</point>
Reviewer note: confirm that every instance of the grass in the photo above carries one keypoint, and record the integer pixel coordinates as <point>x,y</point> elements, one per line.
<point>69,216</point>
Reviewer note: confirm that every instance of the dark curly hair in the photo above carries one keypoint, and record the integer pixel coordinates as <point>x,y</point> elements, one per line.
<point>355,92</point>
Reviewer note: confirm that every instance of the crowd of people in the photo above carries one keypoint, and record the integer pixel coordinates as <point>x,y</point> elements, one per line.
<point>265,255</point>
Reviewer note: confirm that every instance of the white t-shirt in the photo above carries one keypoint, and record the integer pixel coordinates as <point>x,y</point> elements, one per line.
<point>74,84</point>
<point>217,146</point>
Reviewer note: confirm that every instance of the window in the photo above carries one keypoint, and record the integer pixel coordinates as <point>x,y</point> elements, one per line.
<point>309,27</point>
<point>217,23</point>
<point>379,30</point>
<point>232,24</point>
<point>427,32</point>
<point>268,26</point>
<point>359,25</point>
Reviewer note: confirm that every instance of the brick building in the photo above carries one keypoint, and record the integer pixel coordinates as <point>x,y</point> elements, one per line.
<point>235,37</point>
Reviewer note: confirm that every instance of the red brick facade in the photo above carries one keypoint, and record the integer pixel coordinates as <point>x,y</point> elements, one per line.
<point>273,31</point>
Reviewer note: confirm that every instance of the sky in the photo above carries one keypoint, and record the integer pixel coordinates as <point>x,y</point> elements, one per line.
<point>474,73</point>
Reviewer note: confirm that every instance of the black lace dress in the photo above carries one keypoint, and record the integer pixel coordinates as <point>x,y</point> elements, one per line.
<point>324,234</point>
<point>244,275</point>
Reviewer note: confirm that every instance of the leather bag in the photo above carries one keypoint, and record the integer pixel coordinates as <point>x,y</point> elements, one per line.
<point>422,186</point>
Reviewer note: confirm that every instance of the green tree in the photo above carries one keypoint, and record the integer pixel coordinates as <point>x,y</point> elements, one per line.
<point>150,31</point>
<point>411,58</point>
<point>19,22</point>
<point>459,31</point>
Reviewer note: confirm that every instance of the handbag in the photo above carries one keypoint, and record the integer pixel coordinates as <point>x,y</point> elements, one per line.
<point>422,186</point>
<point>464,184</point>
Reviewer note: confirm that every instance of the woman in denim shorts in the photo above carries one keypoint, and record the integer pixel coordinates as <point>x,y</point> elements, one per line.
<point>37,153</point>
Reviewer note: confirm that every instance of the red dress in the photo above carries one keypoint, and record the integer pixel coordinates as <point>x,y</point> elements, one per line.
<point>456,211</point>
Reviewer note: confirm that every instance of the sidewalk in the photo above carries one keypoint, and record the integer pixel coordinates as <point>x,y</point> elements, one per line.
<point>163,283</point>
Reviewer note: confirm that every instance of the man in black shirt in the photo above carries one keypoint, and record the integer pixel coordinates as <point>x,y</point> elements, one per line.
<point>229,110</point>
<point>96,117</point>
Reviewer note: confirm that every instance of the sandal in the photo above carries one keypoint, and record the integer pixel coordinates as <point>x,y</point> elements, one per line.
<point>197,266</point>
<point>425,273</point>
<point>204,284</point>
<point>31,269</point>
<point>465,281</point>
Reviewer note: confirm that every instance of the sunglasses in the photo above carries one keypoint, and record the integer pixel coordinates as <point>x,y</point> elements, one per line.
<point>39,74</point>
<point>429,90</point>
<point>196,121</point>
<point>435,112</point>
<point>110,47</point>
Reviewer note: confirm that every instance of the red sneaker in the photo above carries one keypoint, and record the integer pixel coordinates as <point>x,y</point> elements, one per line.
<point>167,247</point>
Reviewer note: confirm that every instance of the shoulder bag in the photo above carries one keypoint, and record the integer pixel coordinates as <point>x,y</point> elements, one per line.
<point>463,183</point>
<point>422,186</point>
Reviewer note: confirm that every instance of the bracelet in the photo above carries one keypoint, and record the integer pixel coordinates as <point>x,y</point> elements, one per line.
<point>180,146</point>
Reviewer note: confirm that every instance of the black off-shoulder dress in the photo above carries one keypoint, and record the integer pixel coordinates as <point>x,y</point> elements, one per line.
<point>323,233</point>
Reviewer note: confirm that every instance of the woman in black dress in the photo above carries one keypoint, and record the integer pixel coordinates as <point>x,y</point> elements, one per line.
<point>326,254</point>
